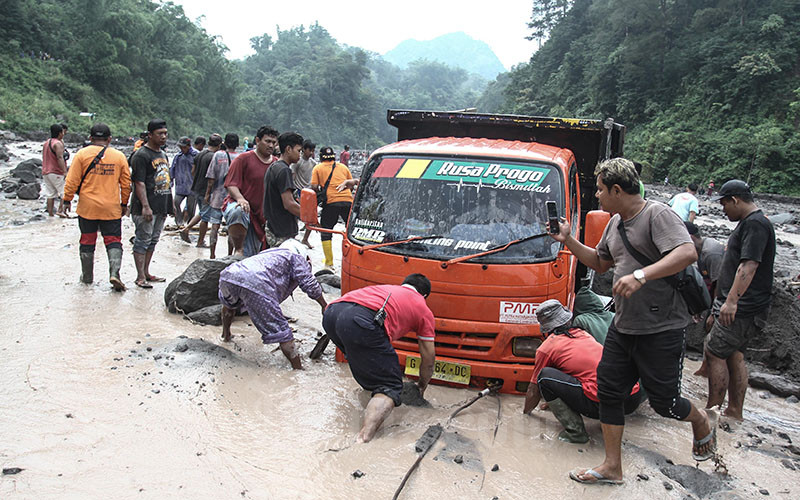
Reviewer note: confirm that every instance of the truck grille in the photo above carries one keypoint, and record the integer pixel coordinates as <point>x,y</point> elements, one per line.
<point>454,343</point>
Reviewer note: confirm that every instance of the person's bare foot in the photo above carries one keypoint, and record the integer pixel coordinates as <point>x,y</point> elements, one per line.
<point>306,243</point>
<point>733,415</point>
<point>702,372</point>
<point>185,236</point>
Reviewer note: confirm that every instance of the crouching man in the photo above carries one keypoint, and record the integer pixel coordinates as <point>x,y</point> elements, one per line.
<point>354,324</point>
<point>259,284</point>
<point>566,373</point>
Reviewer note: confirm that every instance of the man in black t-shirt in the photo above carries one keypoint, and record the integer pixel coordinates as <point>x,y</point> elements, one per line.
<point>152,201</point>
<point>280,208</point>
<point>743,296</point>
<point>199,184</point>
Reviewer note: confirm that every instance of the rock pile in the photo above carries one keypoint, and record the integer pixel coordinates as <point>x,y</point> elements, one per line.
<point>25,180</point>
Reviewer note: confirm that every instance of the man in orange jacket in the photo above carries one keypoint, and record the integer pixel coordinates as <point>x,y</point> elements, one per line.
<point>102,181</point>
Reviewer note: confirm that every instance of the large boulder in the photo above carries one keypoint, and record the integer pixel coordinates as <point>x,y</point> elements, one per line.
<point>197,287</point>
<point>33,166</point>
<point>7,135</point>
<point>29,191</point>
<point>4,156</point>
<point>24,176</point>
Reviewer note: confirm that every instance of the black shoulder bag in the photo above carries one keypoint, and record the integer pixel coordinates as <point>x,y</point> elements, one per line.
<point>91,167</point>
<point>689,282</point>
<point>322,196</point>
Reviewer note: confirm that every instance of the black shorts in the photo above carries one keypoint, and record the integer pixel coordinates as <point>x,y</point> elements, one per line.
<point>331,213</point>
<point>372,359</point>
<point>656,359</point>
<point>723,341</point>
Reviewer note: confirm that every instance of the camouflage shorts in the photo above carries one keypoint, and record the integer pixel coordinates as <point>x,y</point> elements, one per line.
<point>272,240</point>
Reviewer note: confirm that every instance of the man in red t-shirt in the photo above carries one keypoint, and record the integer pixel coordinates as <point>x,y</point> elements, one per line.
<point>244,206</point>
<point>354,324</point>
<point>566,373</point>
<point>54,169</point>
<point>344,156</point>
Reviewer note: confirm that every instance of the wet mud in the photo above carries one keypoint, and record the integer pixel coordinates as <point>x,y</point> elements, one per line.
<point>108,394</point>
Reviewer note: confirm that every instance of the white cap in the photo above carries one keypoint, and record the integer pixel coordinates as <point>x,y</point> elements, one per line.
<point>296,247</point>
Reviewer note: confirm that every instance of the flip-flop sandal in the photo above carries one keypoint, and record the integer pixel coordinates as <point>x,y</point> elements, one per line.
<point>156,279</point>
<point>598,478</point>
<point>118,285</point>
<point>711,437</point>
<point>143,284</point>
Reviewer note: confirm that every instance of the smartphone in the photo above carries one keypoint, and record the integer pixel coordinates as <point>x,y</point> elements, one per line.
<point>552,217</point>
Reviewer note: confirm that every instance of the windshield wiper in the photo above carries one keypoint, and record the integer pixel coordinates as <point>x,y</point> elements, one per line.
<point>398,242</point>
<point>493,250</point>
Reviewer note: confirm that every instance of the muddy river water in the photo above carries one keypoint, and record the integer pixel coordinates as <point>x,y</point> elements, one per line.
<point>109,395</point>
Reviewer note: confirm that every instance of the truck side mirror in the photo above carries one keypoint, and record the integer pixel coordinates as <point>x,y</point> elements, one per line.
<point>308,207</point>
<point>596,222</point>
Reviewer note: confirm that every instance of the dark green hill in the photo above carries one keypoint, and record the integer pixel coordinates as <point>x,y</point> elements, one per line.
<point>458,50</point>
<point>708,89</point>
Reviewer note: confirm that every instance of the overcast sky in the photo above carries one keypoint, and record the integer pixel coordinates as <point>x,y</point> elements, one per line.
<point>374,25</point>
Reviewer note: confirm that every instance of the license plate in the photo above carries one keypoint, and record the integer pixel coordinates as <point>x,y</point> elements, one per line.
<point>442,370</point>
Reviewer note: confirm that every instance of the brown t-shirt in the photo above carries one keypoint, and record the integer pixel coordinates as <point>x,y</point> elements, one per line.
<point>657,306</point>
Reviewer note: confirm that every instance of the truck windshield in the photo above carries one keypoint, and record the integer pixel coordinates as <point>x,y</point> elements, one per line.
<point>472,205</point>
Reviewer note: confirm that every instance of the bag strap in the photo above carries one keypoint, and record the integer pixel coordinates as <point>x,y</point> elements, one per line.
<point>644,261</point>
<point>328,182</point>
<point>91,167</point>
<point>50,144</point>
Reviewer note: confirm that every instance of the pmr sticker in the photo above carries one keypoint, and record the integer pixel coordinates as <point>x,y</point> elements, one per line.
<point>518,312</point>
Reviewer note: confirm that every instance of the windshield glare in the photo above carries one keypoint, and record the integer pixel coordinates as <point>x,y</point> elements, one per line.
<point>469,205</point>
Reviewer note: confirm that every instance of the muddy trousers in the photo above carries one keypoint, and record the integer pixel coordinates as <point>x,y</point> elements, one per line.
<point>656,359</point>
<point>555,384</point>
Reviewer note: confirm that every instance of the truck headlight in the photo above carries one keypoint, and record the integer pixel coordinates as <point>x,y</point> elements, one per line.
<point>525,347</point>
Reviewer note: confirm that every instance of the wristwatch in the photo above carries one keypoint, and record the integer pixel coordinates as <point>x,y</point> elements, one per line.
<point>639,275</point>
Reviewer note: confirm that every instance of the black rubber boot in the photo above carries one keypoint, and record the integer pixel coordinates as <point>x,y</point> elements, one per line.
<point>574,431</point>
<point>114,263</point>
<point>87,267</point>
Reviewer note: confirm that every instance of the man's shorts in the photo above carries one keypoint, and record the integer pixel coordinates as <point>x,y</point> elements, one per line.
<point>147,232</point>
<point>723,341</point>
<point>53,186</point>
<point>235,215</point>
<point>370,356</point>
<point>210,214</point>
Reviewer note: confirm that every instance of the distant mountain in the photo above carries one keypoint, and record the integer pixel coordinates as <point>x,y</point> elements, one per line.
<point>455,49</point>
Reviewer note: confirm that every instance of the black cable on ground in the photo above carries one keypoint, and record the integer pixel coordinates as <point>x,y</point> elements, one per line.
<point>433,432</point>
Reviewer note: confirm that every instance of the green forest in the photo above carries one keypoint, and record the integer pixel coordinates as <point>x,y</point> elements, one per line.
<point>708,89</point>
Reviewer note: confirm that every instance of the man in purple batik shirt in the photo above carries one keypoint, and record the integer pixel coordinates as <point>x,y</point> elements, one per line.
<point>259,284</point>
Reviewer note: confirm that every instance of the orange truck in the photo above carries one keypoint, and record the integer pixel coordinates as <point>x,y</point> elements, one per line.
<point>462,198</point>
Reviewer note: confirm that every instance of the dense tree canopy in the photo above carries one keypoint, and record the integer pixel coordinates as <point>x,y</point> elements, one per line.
<point>131,60</point>
<point>708,89</point>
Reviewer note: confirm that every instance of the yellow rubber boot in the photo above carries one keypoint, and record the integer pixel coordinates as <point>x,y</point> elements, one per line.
<point>327,249</point>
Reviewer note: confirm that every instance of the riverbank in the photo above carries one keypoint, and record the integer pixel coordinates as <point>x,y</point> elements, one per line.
<point>108,394</point>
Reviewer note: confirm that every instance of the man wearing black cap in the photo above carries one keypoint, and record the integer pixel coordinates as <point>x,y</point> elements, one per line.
<point>743,296</point>
<point>100,176</point>
<point>152,201</point>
